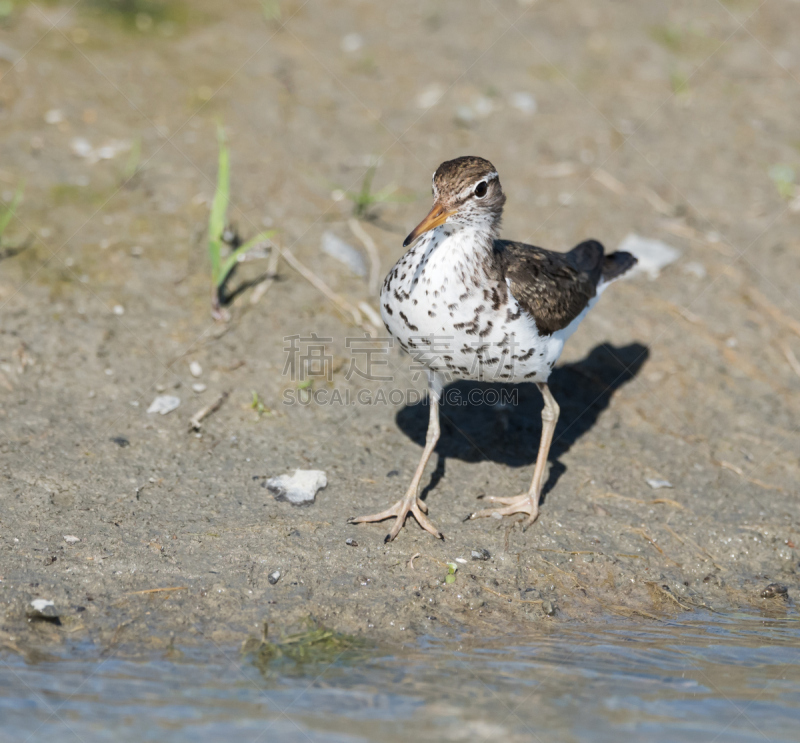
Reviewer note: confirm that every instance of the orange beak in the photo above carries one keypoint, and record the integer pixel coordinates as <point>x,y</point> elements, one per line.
<point>436,216</point>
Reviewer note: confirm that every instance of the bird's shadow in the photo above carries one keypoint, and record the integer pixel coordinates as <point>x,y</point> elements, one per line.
<point>502,422</point>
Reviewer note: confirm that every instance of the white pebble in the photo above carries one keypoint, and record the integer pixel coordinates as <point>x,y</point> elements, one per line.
<point>54,116</point>
<point>343,252</point>
<point>118,309</point>
<point>695,268</point>
<point>69,539</point>
<point>300,488</point>
<point>658,484</point>
<point>195,369</point>
<point>164,404</point>
<point>653,255</point>
<point>565,198</point>
<point>524,102</point>
<point>199,387</point>
<point>352,43</point>
<point>81,147</point>
<point>429,97</point>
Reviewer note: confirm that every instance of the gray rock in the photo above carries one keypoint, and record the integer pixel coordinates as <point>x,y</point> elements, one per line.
<point>773,590</point>
<point>343,252</point>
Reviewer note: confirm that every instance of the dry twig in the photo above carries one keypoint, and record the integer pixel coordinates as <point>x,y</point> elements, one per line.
<point>323,288</point>
<point>374,282</point>
<point>272,274</point>
<point>159,590</point>
<point>195,422</point>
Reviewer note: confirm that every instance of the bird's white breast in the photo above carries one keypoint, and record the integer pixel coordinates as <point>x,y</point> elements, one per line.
<point>447,307</point>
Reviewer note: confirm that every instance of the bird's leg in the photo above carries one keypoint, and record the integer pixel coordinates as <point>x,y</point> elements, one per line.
<point>410,502</point>
<point>529,502</point>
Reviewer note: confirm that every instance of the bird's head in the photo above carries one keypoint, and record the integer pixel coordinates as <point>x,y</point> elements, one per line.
<point>466,192</point>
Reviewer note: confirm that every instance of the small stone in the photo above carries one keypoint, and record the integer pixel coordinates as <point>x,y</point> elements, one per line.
<point>81,147</point>
<point>392,473</point>
<point>54,116</point>
<point>198,387</point>
<point>120,441</point>
<point>773,590</point>
<point>480,554</point>
<point>351,542</point>
<point>549,608</point>
<point>343,252</point>
<point>429,97</point>
<point>118,309</point>
<point>69,539</point>
<point>658,484</point>
<point>653,255</point>
<point>352,43</point>
<point>43,609</point>
<point>524,102</point>
<point>164,404</point>
<point>274,577</point>
<point>195,369</point>
<point>298,489</point>
<point>696,269</point>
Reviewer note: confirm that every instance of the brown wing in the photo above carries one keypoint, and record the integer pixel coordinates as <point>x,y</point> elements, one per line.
<point>553,288</point>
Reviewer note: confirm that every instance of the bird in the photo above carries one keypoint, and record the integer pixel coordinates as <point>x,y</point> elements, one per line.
<point>468,305</point>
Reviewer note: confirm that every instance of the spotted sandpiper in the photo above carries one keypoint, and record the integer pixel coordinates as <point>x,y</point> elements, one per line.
<point>472,306</point>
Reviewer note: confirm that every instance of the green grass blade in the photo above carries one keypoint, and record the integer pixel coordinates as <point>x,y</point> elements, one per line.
<point>219,209</point>
<point>8,215</point>
<point>233,258</point>
<point>134,158</point>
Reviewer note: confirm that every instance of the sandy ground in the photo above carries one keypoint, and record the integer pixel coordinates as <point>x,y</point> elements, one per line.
<point>661,119</point>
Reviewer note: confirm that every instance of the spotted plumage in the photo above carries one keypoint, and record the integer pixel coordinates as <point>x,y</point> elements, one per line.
<point>476,307</point>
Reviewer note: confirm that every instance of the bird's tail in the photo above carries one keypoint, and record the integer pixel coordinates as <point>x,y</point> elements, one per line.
<point>616,264</point>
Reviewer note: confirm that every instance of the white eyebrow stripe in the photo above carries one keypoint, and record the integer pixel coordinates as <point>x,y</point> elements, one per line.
<point>468,190</point>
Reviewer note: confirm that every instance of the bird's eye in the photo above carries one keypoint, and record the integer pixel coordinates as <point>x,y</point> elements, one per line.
<point>481,189</point>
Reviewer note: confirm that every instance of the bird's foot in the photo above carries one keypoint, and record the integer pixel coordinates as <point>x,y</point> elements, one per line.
<point>410,503</point>
<point>526,503</point>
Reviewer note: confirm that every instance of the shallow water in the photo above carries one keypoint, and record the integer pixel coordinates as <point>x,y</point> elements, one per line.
<point>703,679</point>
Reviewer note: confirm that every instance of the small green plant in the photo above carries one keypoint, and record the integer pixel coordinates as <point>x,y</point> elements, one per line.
<point>6,9</point>
<point>222,267</point>
<point>783,177</point>
<point>679,83</point>
<point>669,36</point>
<point>364,199</point>
<point>451,573</point>
<point>257,404</point>
<point>7,215</point>
<point>271,10</point>
<point>317,645</point>
<point>132,163</point>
